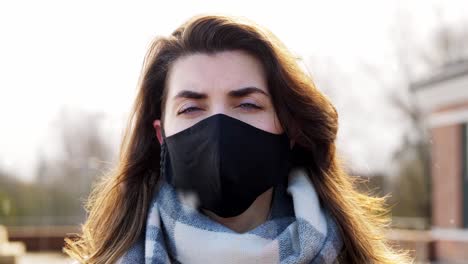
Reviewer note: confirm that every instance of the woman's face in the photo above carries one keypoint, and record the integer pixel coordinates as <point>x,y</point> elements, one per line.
<point>229,82</point>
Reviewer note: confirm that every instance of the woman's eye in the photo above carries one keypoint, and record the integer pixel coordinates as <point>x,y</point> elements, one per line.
<point>188,110</point>
<point>249,106</point>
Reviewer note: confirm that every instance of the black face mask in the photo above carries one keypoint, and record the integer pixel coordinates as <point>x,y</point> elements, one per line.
<point>225,162</point>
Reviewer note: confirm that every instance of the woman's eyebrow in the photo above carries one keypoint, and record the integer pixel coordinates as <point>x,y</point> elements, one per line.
<point>246,91</point>
<point>190,95</point>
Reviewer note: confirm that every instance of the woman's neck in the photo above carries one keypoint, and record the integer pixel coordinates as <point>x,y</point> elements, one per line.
<point>254,216</point>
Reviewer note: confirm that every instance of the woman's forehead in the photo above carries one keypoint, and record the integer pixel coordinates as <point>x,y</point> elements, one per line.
<point>215,73</point>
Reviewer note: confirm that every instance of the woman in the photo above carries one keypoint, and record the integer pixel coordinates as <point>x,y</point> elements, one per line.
<point>230,157</point>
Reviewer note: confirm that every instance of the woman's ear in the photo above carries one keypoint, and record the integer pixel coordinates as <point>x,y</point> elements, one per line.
<point>157,129</point>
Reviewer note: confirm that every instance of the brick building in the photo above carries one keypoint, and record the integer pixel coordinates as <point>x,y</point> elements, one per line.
<point>444,100</point>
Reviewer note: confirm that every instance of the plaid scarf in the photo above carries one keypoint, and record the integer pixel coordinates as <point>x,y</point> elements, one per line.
<point>298,230</point>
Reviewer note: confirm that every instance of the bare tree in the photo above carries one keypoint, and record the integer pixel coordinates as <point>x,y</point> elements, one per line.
<point>85,155</point>
<point>449,44</point>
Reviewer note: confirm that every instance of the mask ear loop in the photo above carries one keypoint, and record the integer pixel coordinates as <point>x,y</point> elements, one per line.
<point>162,132</point>
<point>163,156</point>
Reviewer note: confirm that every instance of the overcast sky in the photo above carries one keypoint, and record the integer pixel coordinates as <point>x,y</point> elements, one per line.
<point>87,55</point>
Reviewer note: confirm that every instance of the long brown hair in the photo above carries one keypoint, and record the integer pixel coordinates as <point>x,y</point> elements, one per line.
<point>117,207</point>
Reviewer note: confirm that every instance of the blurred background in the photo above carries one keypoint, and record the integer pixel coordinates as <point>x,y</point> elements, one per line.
<point>397,71</point>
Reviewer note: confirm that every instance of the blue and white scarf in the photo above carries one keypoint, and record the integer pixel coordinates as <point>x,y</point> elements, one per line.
<point>298,230</point>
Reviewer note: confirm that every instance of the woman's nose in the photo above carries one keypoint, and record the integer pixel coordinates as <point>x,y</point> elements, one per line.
<point>220,109</point>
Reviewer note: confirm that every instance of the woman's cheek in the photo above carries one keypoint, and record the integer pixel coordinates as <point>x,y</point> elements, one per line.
<point>264,121</point>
